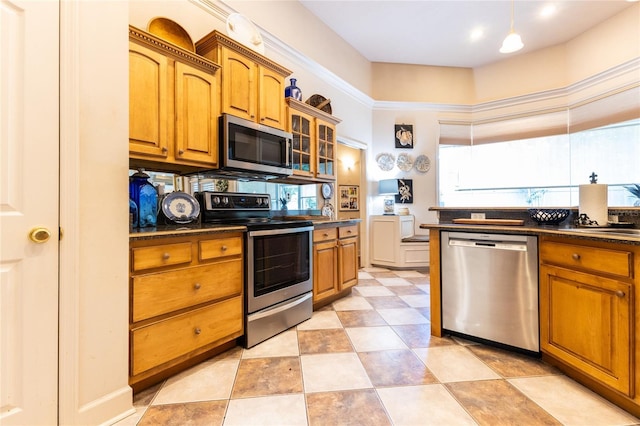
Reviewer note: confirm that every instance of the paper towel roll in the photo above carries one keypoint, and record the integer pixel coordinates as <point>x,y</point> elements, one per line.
<point>594,202</point>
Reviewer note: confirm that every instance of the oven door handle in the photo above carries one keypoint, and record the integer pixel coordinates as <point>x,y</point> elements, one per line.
<point>272,311</point>
<point>280,231</point>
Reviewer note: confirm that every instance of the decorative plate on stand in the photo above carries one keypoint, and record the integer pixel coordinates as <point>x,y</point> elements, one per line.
<point>422,164</point>
<point>327,210</point>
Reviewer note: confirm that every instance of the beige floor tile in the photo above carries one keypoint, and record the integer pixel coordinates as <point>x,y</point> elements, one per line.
<point>373,291</point>
<point>426,288</point>
<point>395,368</point>
<point>353,407</point>
<point>419,336</point>
<point>268,410</point>
<point>511,364</point>
<point>411,274</point>
<point>366,318</point>
<point>192,413</point>
<point>417,301</point>
<point>423,405</point>
<point>206,381</point>
<point>454,363</point>
<point>364,275</point>
<point>381,338</point>
<point>324,341</point>
<point>283,344</point>
<point>333,372</point>
<point>321,320</point>
<point>402,316</point>
<point>387,302</point>
<point>393,281</point>
<point>405,290</point>
<point>267,377</point>
<point>375,269</point>
<point>369,283</point>
<point>496,402</point>
<point>354,303</point>
<point>572,403</point>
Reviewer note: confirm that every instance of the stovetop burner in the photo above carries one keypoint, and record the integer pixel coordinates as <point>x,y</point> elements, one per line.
<point>233,208</point>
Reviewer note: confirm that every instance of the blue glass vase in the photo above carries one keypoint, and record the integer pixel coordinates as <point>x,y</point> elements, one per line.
<point>145,197</point>
<point>293,91</point>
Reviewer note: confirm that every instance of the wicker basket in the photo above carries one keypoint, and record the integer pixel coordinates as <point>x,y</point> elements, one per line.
<point>549,216</point>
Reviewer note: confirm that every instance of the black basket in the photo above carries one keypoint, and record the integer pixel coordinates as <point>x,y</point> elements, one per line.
<point>549,216</point>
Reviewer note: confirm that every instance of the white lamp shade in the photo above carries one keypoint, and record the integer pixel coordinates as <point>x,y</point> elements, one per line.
<point>512,43</point>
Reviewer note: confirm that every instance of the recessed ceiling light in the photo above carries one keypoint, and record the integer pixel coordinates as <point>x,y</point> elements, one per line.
<point>548,10</point>
<point>476,34</point>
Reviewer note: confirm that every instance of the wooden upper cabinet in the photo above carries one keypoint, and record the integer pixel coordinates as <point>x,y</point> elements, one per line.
<point>252,85</point>
<point>173,105</point>
<point>148,101</point>
<point>196,115</point>
<point>314,142</point>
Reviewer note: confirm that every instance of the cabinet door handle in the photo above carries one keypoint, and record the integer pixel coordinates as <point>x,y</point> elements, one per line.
<point>223,248</point>
<point>575,256</point>
<point>619,293</point>
<point>180,152</point>
<point>165,149</point>
<point>166,256</point>
<point>349,231</point>
<point>197,286</point>
<point>325,234</point>
<point>197,330</point>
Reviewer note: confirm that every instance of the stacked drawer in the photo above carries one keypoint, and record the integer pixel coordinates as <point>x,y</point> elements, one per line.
<point>186,297</point>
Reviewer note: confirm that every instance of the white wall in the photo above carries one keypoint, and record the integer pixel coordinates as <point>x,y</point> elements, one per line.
<point>94,279</point>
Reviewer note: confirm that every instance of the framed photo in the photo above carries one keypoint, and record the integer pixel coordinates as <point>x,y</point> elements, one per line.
<point>348,198</point>
<point>405,191</point>
<point>404,135</point>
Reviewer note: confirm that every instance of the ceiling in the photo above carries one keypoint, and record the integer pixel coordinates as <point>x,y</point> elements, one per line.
<point>431,32</point>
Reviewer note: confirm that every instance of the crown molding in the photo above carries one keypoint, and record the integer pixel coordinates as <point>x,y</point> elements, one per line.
<point>621,77</point>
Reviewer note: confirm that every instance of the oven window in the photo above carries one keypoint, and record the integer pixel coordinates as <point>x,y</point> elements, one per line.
<point>280,261</point>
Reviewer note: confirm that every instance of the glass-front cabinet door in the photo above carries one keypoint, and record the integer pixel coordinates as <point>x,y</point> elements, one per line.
<point>303,131</point>
<point>326,150</point>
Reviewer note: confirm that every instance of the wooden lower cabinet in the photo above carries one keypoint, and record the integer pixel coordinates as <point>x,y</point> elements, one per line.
<point>186,301</point>
<point>588,320</point>
<point>335,262</point>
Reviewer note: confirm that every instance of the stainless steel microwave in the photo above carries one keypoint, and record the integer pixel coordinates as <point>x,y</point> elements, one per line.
<point>253,150</point>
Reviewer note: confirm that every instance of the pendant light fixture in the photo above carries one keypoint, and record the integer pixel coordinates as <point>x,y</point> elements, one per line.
<point>513,42</point>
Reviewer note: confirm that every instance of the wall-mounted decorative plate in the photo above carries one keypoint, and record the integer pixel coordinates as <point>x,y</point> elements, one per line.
<point>327,191</point>
<point>385,161</point>
<point>423,164</point>
<point>405,162</point>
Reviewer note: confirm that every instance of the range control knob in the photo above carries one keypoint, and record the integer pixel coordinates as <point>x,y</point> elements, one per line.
<point>225,200</point>
<point>216,200</point>
<point>265,201</point>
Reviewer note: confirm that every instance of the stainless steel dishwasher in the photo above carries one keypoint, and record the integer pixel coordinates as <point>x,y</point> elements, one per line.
<point>490,287</point>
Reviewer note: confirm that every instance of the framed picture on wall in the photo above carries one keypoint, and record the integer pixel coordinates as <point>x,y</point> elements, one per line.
<point>348,198</point>
<point>405,191</point>
<point>404,135</point>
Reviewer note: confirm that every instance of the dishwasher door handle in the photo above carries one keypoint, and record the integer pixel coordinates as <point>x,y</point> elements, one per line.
<point>496,245</point>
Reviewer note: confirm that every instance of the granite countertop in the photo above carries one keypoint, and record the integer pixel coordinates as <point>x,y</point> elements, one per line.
<point>208,228</point>
<point>602,234</point>
<point>181,230</point>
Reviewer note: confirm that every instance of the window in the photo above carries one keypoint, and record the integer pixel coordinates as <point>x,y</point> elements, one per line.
<point>542,171</point>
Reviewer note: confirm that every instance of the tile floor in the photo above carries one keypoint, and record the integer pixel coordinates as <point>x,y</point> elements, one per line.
<point>369,359</point>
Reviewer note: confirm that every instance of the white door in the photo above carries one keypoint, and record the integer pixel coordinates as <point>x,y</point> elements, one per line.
<point>29,164</point>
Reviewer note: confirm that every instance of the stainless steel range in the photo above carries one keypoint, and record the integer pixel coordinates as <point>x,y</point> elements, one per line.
<point>278,262</point>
